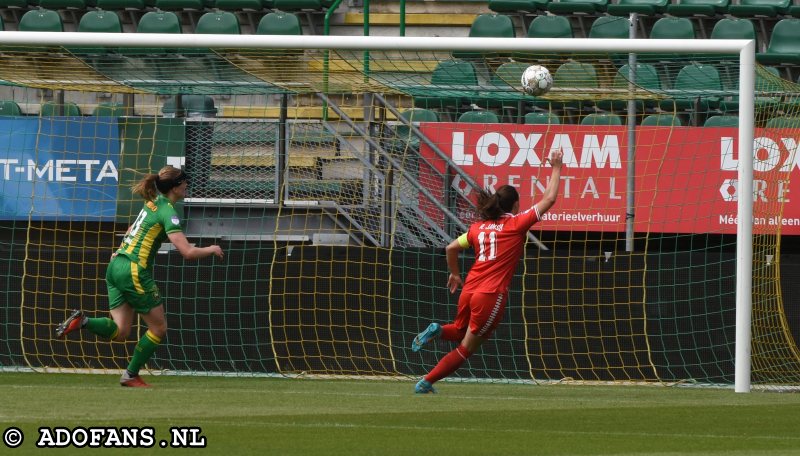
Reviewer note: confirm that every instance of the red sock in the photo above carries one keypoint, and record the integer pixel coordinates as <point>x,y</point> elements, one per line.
<point>450,332</point>
<point>448,364</point>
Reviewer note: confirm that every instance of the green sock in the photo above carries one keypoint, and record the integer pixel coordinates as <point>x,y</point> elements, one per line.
<point>103,327</point>
<point>144,350</point>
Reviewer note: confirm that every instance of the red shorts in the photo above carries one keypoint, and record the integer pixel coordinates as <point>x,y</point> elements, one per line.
<point>481,311</point>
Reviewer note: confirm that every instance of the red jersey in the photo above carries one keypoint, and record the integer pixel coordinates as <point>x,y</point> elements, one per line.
<point>498,246</point>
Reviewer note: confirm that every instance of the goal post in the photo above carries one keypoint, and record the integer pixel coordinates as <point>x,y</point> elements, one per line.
<point>290,194</point>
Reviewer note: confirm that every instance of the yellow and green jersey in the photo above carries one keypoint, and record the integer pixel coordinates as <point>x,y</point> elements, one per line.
<point>156,219</point>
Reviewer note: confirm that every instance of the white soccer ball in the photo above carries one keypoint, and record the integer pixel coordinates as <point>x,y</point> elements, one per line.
<point>536,80</point>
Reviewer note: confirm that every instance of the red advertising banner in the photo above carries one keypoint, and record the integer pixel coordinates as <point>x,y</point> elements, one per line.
<point>685,177</point>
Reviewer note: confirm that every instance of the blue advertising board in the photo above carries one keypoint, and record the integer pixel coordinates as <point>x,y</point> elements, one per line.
<point>59,168</point>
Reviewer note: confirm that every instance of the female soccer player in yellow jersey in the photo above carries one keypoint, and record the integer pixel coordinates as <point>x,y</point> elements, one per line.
<point>131,289</point>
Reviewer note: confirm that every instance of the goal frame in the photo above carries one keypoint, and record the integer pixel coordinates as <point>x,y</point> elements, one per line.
<point>744,48</point>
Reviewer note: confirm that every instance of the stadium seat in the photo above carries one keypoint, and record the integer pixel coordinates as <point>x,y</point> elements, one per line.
<point>733,29</point>
<point>107,109</point>
<point>644,7</point>
<point>678,28</point>
<point>647,78</point>
<point>487,26</point>
<point>722,121</point>
<point>51,108</point>
<point>577,7</point>
<point>279,23</point>
<point>768,79</point>
<point>697,87</point>
<point>492,26</point>
<point>661,120</point>
<point>9,108</point>
<point>573,77</point>
<point>238,5</point>
<point>452,84</point>
<point>783,122</point>
<point>550,27</point>
<point>784,44</point>
<point>218,23</point>
<point>99,21</point>
<point>754,8</point>
<point>515,6</point>
<point>610,27</point>
<point>134,5</point>
<point>698,8</point>
<point>159,22</point>
<point>403,135</point>
<point>601,119</point>
<point>479,117</point>
<point>538,118</point>
<point>191,106</point>
<point>40,20</point>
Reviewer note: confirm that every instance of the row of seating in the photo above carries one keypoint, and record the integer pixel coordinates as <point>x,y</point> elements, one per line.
<point>742,8</point>
<point>418,115</point>
<point>197,5</point>
<point>213,22</point>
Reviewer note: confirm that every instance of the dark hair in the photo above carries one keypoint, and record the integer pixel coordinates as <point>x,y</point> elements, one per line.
<point>166,179</point>
<point>492,206</point>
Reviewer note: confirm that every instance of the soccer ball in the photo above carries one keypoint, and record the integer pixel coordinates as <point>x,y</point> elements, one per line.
<point>536,80</point>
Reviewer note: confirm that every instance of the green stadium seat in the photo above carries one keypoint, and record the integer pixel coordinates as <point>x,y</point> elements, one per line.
<point>575,77</point>
<point>610,27</point>
<point>601,119</point>
<point>279,23</point>
<point>697,87</point>
<point>768,79</point>
<point>9,108</point>
<point>784,44</point>
<point>218,23</point>
<point>107,109</point>
<point>577,7</point>
<point>643,7</point>
<point>661,120</point>
<point>722,121</point>
<point>453,83</point>
<point>550,27</point>
<point>538,118</point>
<point>698,8</point>
<point>479,117</point>
<point>99,21</point>
<point>14,4</point>
<point>159,22</point>
<point>191,106</point>
<point>783,122</point>
<point>733,29</point>
<point>515,6</point>
<point>754,8</point>
<point>492,26</point>
<point>403,134</point>
<point>40,20</point>
<point>51,108</point>
<point>677,28</point>
<point>647,78</point>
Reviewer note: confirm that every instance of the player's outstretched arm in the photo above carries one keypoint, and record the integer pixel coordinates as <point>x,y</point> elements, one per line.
<point>551,191</point>
<point>191,252</point>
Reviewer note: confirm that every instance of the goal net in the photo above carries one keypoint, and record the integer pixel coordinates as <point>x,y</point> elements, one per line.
<point>333,172</point>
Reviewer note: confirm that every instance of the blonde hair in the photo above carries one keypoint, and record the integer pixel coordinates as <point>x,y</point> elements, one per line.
<point>146,188</point>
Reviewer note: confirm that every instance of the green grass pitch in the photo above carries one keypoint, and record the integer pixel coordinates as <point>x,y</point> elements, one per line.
<point>272,416</point>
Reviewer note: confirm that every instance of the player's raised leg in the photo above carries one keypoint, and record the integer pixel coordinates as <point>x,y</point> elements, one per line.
<point>431,332</point>
<point>74,322</point>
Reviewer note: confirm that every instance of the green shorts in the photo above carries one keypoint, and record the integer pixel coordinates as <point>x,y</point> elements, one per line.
<point>128,283</point>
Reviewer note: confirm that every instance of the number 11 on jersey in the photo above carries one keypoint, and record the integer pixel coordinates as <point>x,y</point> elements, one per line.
<point>492,235</point>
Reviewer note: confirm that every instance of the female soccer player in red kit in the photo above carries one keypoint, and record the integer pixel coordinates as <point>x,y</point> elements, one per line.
<point>499,241</point>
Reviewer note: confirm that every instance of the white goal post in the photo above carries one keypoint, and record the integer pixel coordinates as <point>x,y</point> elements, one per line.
<point>745,49</point>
